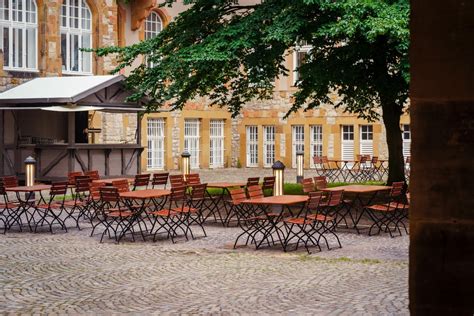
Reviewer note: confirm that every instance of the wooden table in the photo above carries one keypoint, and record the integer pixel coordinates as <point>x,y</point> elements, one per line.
<point>26,203</point>
<point>272,220</point>
<point>109,181</point>
<point>145,198</point>
<point>358,204</point>
<point>225,186</point>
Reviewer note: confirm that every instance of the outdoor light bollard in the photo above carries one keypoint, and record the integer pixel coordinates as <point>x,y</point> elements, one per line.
<point>278,170</point>
<point>186,163</point>
<point>30,166</point>
<point>299,166</point>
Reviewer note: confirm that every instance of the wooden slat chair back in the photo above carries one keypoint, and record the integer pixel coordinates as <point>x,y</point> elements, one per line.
<point>109,195</point>
<point>308,185</point>
<point>374,160</point>
<point>121,185</point>
<point>318,161</point>
<point>93,174</point>
<point>237,196</point>
<point>320,182</point>
<point>94,189</point>
<point>177,180</point>
<point>141,180</point>
<point>268,183</point>
<point>193,178</point>
<point>335,198</point>
<point>71,177</point>
<point>10,181</point>
<point>255,192</point>
<point>198,191</point>
<point>160,179</point>
<point>58,188</point>
<point>178,195</point>
<point>397,189</point>
<point>252,181</point>
<point>314,200</point>
<point>82,184</point>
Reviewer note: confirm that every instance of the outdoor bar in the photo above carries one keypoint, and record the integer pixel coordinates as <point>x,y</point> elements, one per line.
<point>48,118</point>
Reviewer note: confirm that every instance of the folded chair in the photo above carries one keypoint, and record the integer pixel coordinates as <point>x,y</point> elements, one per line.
<point>115,215</point>
<point>192,209</point>
<point>78,207</point>
<point>9,210</point>
<point>167,220</point>
<point>300,226</point>
<point>387,215</point>
<point>51,212</point>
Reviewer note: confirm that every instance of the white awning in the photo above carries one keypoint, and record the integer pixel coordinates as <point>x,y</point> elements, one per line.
<point>57,89</point>
<point>72,108</point>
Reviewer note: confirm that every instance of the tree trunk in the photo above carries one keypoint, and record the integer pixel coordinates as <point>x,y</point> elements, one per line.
<point>396,165</point>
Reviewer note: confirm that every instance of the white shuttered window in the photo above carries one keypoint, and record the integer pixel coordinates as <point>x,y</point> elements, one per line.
<point>298,141</point>
<point>156,143</point>
<point>252,146</point>
<point>347,142</point>
<point>216,154</point>
<point>191,140</point>
<point>366,140</point>
<point>268,145</point>
<point>316,142</point>
<point>406,137</point>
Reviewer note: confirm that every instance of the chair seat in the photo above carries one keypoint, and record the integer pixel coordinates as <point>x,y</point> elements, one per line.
<point>120,214</point>
<point>185,209</point>
<point>9,205</point>
<point>298,221</point>
<point>400,206</point>
<point>46,206</point>
<point>320,217</point>
<point>163,213</point>
<point>381,208</point>
<point>72,203</point>
<point>329,204</point>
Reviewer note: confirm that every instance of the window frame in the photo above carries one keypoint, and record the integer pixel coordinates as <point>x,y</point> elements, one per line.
<point>269,145</point>
<point>192,124</point>
<point>216,143</point>
<point>81,32</point>
<point>297,143</point>
<point>305,48</point>
<point>153,155</point>
<point>23,26</point>
<point>251,145</point>
<point>316,143</point>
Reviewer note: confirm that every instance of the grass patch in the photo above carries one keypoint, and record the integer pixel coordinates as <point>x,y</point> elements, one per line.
<point>306,257</point>
<point>297,189</point>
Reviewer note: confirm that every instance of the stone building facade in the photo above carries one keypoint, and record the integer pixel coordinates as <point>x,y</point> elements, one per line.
<point>260,134</point>
<point>256,138</point>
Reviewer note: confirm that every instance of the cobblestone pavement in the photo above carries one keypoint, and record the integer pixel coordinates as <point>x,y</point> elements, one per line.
<point>73,273</point>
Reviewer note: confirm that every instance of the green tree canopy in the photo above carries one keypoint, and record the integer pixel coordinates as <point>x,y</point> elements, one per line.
<point>232,54</point>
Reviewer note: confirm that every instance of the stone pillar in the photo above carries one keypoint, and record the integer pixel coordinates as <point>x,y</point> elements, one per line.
<point>442,206</point>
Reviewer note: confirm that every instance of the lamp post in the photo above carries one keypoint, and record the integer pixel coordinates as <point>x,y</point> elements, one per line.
<point>186,163</point>
<point>30,166</point>
<point>278,170</point>
<point>299,166</point>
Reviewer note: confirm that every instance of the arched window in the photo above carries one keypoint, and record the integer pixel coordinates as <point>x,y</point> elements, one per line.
<point>153,25</point>
<point>76,33</point>
<point>18,34</point>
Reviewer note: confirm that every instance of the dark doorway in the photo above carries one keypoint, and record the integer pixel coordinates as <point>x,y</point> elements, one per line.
<point>81,126</point>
